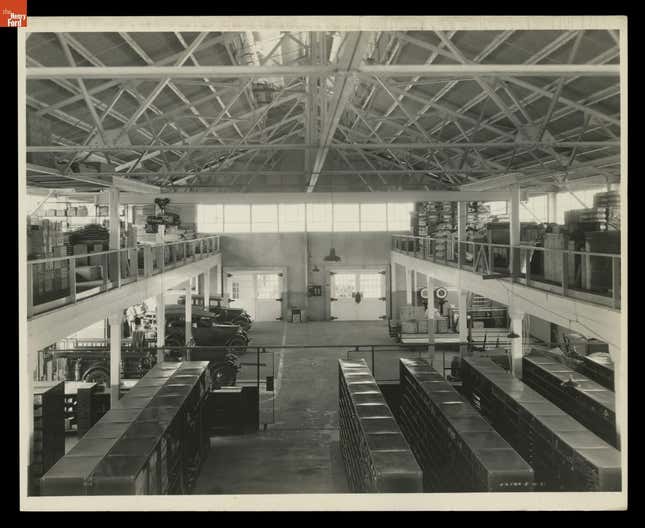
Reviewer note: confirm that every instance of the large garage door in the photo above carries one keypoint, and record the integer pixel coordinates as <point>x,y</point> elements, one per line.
<point>258,293</point>
<point>357,295</point>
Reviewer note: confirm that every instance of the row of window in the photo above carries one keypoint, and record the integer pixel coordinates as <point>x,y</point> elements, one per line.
<point>536,209</point>
<point>285,218</point>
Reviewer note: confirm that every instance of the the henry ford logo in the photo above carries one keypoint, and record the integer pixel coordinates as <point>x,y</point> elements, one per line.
<point>14,13</point>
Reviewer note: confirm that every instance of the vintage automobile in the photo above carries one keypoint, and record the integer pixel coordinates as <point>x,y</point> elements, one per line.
<point>224,314</point>
<point>89,360</point>
<point>228,341</point>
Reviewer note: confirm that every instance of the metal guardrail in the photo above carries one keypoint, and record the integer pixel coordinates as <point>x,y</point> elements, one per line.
<point>55,282</point>
<point>503,261</point>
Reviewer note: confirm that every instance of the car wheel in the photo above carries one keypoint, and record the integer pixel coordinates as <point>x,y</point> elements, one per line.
<point>243,323</point>
<point>99,376</point>
<point>174,355</point>
<point>237,345</point>
<point>223,376</point>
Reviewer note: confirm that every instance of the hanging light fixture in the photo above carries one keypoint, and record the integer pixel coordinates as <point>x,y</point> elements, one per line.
<point>332,257</point>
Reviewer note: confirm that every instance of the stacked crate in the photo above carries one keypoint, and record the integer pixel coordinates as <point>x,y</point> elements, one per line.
<point>152,441</point>
<point>586,401</point>
<point>377,457</point>
<point>564,454</point>
<point>553,259</point>
<point>585,220</point>
<point>610,201</point>
<point>456,448</point>
<point>598,275</point>
<point>48,443</point>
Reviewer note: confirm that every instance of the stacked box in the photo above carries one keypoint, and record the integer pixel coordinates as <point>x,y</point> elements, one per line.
<point>588,402</point>
<point>564,454</point>
<point>152,441</point>
<point>48,443</point>
<point>377,457</point>
<point>456,448</point>
<point>98,260</point>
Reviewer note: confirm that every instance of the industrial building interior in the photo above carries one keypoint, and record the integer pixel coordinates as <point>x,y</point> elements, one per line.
<point>323,262</point>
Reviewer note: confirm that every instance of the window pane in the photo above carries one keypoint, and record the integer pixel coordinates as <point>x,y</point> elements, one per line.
<point>534,210</point>
<point>265,218</point>
<point>291,217</point>
<point>566,202</point>
<point>398,216</point>
<point>498,208</point>
<point>319,217</point>
<point>373,217</point>
<point>268,286</point>
<point>371,285</point>
<point>209,219</point>
<point>346,217</point>
<point>344,285</point>
<point>237,219</point>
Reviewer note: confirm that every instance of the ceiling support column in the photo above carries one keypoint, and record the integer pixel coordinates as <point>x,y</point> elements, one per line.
<point>517,343</point>
<point>189,317</point>
<point>514,217</point>
<point>161,326</point>
<point>551,207</point>
<point>115,320</point>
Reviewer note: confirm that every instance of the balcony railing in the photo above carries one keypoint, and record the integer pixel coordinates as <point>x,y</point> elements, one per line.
<point>59,281</point>
<point>584,275</point>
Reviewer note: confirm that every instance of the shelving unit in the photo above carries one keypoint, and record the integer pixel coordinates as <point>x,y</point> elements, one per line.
<point>48,443</point>
<point>457,449</point>
<point>377,457</point>
<point>564,454</point>
<point>152,441</point>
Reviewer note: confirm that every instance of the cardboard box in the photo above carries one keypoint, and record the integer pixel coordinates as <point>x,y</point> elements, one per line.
<point>407,312</point>
<point>88,273</point>
<point>60,251</point>
<point>422,326</point>
<point>80,249</point>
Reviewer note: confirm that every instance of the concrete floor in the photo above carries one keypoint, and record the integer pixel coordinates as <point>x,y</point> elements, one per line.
<point>299,452</point>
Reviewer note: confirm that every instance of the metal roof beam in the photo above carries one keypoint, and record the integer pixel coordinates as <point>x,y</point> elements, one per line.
<point>352,54</point>
<point>391,70</point>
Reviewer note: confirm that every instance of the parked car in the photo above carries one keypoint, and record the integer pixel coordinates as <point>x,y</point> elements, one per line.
<point>92,362</point>
<point>224,314</point>
<point>207,332</point>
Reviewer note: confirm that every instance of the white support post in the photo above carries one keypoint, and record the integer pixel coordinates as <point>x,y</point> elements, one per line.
<point>514,216</point>
<point>206,288</point>
<point>114,262</point>
<point>462,296</point>
<point>189,313</point>
<point>462,220</point>
<point>161,326</point>
<point>517,344</point>
<point>431,323</point>
<point>413,287</point>
<point>115,321</point>
<point>552,207</point>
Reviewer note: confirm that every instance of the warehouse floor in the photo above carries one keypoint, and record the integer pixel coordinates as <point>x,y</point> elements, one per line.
<point>299,452</point>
